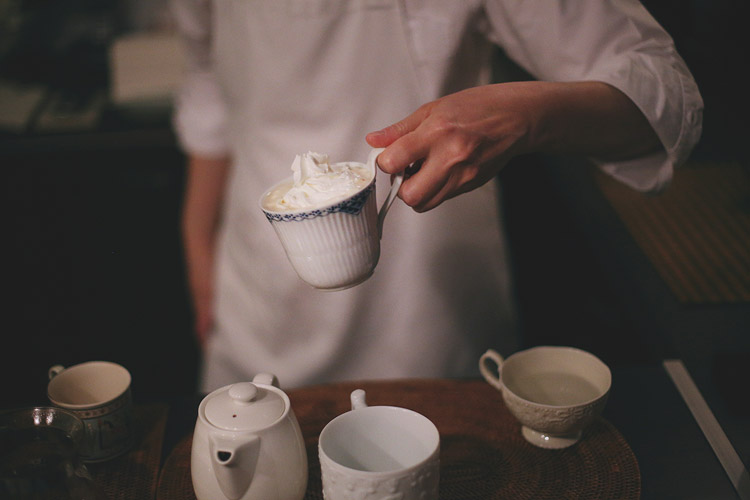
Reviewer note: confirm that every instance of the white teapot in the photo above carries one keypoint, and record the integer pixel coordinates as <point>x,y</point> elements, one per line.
<point>248,445</point>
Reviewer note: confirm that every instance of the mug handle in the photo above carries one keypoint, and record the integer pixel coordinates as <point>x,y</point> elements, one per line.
<point>54,371</point>
<point>397,181</point>
<point>484,368</point>
<point>358,399</point>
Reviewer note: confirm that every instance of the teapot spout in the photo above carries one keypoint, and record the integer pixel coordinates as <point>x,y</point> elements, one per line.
<point>234,463</point>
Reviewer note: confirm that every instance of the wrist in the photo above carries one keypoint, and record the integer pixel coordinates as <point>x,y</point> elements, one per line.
<point>554,110</point>
<point>527,114</point>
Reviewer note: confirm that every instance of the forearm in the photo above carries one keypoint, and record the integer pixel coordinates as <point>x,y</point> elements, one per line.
<point>204,194</point>
<point>590,118</point>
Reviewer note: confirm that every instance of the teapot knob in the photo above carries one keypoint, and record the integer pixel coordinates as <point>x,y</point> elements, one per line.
<point>243,393</point>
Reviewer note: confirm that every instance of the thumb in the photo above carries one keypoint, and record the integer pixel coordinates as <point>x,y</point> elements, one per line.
<point>387,136</point>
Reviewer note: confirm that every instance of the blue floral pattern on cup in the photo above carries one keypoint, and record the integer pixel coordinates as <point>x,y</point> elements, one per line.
<point>351,206</point>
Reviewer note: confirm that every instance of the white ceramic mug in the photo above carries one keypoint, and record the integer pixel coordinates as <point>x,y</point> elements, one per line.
<point>553,391</point>
<point>379,452</point>
<point>97,392</point>
<point>335,246</point>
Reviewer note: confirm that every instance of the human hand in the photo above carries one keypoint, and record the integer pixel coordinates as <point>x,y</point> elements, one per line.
<point>459,142</point>
<point>456,143</point>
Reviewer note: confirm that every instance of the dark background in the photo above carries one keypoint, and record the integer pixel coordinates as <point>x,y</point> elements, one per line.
<point>93,266</point>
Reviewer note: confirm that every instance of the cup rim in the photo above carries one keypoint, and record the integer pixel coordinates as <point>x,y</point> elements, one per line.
<point>306,213</point>
<point>576,350</point>
<point>434,453</point>
<point>56,380</point>
<point>35,417</point>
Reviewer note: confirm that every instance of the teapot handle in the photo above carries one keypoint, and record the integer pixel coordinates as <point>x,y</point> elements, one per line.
<point>358,399</point>
<point>488,375</point>
<point>266,379</point>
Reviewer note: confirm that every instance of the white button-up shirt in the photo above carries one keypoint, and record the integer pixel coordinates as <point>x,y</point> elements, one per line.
<point>269,79</point>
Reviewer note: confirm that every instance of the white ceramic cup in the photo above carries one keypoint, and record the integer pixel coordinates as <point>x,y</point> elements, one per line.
<point>97,392</point>
<point>335,246</point>
<point>379,452</point>
<point>555,392</point>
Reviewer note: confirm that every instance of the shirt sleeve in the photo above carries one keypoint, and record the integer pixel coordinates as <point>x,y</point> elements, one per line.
<point>617,42</point>
<point>200,115</point>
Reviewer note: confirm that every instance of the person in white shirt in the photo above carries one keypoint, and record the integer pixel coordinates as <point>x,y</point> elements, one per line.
<point>269,79</point>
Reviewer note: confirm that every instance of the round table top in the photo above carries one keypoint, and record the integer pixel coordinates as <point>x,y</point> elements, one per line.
<point>482,453</point>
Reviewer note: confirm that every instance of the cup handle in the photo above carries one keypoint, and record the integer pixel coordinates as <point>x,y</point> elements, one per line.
<point>358,399</point>
<point>484,368</point>
<point>54,371</point>
<point>397,181</point>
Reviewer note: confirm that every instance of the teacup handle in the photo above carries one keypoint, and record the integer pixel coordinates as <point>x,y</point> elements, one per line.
<point>397,181</point>
<point>54,371</point>
<point>484,368</point>
<point>358,399</point>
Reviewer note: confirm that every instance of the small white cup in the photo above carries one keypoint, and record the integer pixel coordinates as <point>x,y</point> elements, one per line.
<point>335,246</point>
<point>97,392</point>
<point>555,392</point>
<point>376,452</point>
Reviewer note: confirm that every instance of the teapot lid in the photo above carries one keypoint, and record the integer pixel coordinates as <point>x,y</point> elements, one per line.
<point>244,407</point>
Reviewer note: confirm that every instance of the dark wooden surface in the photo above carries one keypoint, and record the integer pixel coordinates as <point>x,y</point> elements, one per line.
<point>674,458</point>
<point>482,452</point>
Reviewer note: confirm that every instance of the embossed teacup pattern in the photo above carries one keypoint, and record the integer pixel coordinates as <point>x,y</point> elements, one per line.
<point>553,391</point>
<point>420,484</point>
<point>379,453</point>
<point>551,419</point>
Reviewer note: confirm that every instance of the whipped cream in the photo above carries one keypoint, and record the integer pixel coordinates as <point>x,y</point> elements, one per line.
<point>318,182</point>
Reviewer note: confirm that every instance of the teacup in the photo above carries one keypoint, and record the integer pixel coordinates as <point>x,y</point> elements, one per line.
<point>554,392</point>
<point>334,246</point>
<point>39,455</point>
<point>98,393</point>
<point>375,452</point>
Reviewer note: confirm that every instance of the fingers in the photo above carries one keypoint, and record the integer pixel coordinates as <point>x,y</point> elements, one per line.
<point>422,187</point>
<point>409,150</point>
<point>440,157</point>
<point>406,142</point>
<point>432,172</point>
<point>385,137</point>
<point>435,184</point>
<point>439,180</point>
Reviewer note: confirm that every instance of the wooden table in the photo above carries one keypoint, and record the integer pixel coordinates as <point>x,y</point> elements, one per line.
<point>483,455</point>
